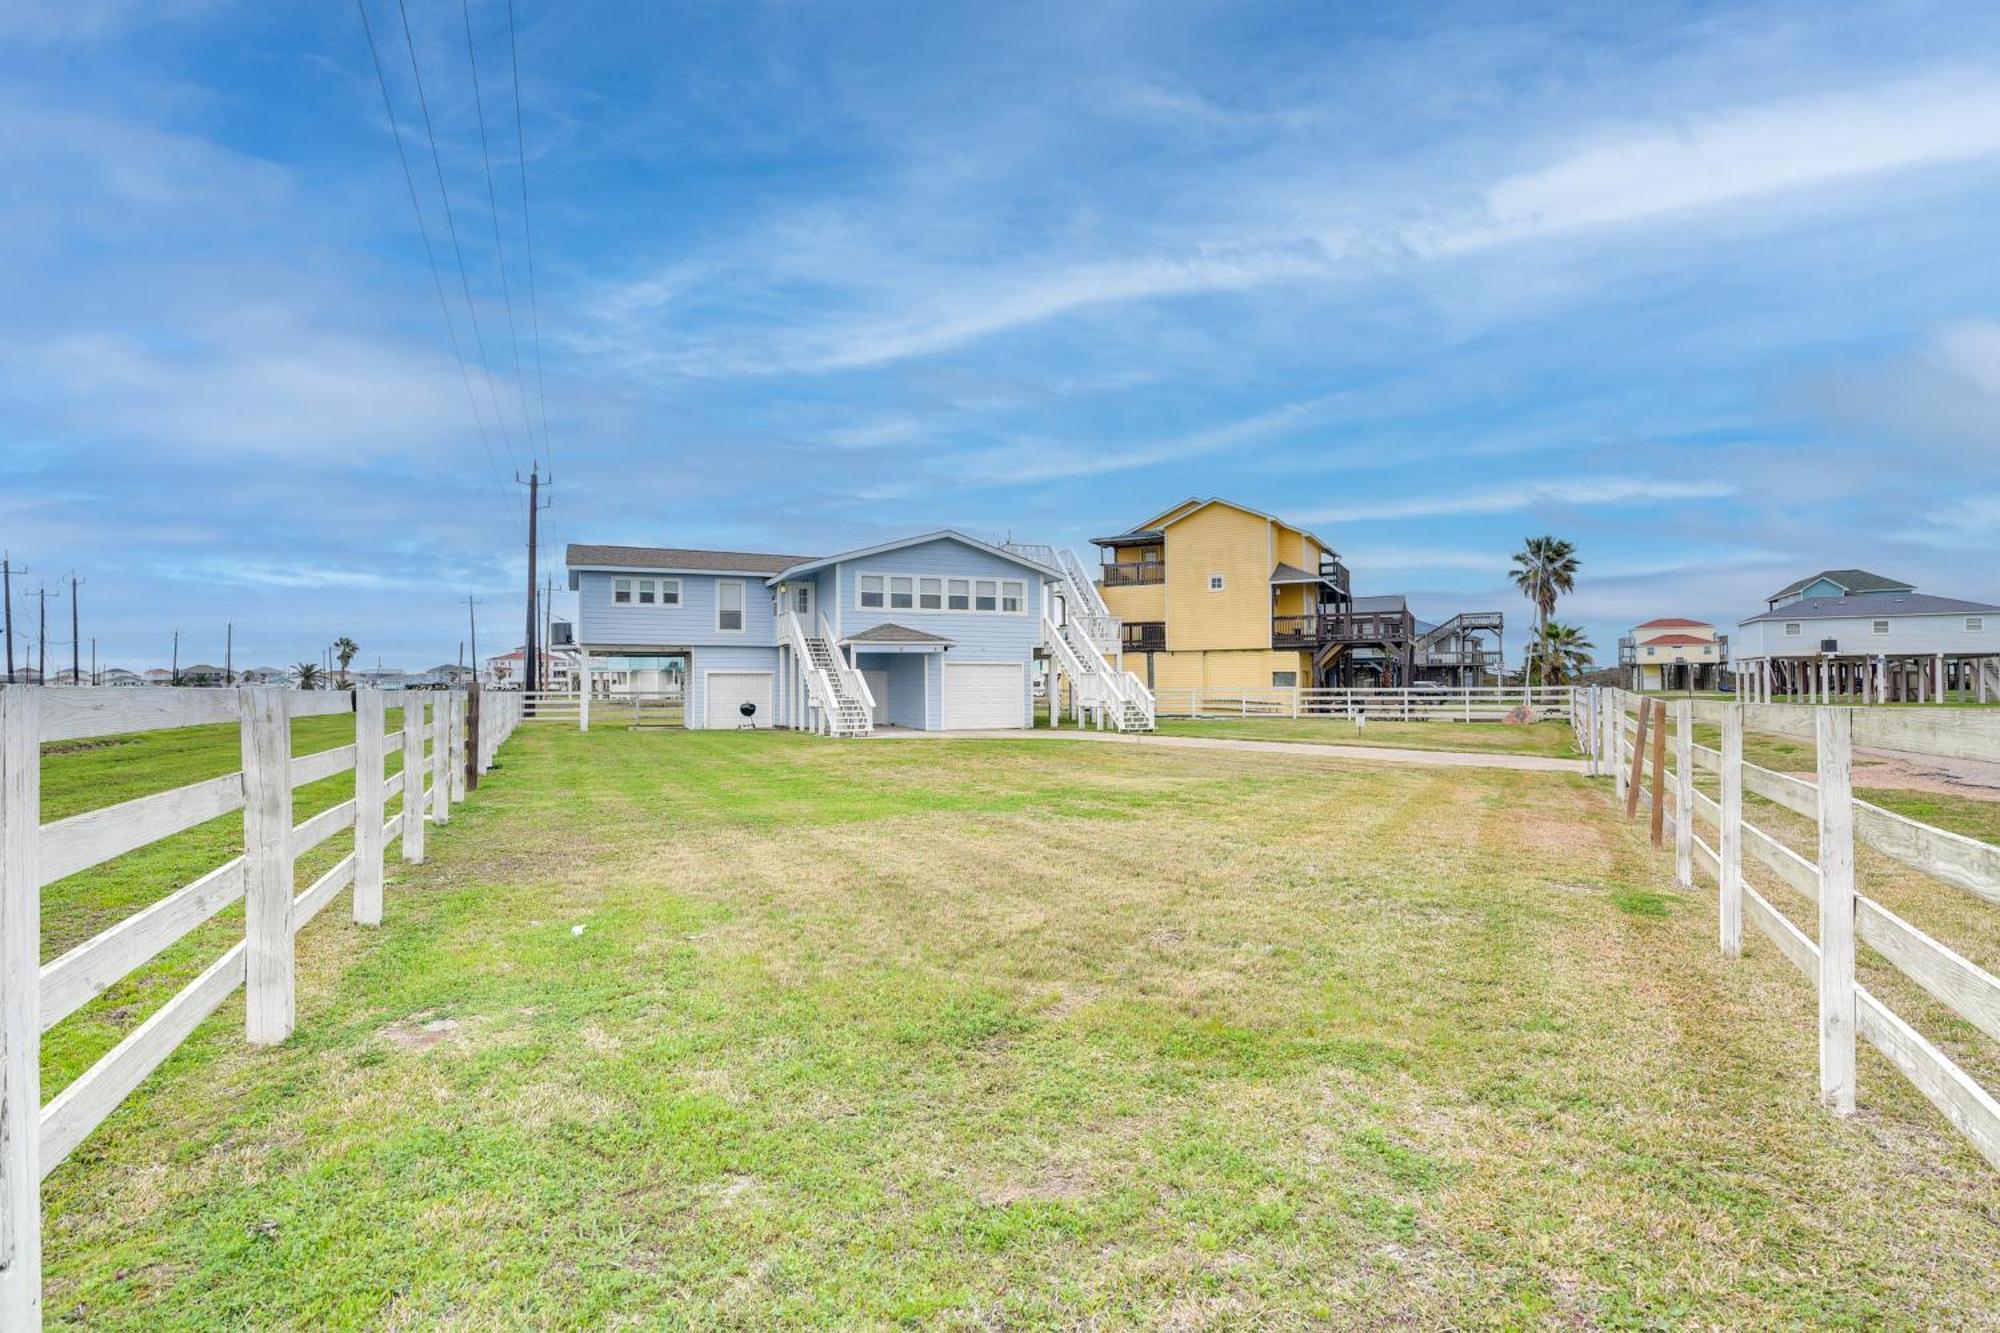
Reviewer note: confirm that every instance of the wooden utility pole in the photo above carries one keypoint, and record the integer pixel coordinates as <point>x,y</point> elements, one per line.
<point>531,657</point>
<point>229,653</point>
<point>472,736</point>
<point>7,594</point>
<point>42,596</point>
<point>472,621</point>
<point>75,639</point>
<point>174,671</point>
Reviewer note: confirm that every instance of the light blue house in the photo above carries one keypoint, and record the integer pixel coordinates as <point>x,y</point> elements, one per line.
<point>935,632</point>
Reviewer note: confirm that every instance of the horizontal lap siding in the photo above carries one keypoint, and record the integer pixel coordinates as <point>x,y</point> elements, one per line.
<point>689,625</point>
<point>905,700</point>
<point>734,658</point>
<point>975,636</point>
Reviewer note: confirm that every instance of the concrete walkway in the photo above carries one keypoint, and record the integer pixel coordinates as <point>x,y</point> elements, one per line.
<point>1379,754</point>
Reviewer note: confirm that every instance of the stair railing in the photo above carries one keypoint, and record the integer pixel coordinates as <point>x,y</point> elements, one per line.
<point>851,678</point>
<point>819,689</point>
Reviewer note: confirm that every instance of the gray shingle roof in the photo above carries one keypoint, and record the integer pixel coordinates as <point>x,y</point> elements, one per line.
<point>1386,602</point>
<point>1136,537</point>
<point>1285,573</point>
<point>1854,580</point>
<point>675,557</point>
<point>892,633</point>
<point>1873,606</point>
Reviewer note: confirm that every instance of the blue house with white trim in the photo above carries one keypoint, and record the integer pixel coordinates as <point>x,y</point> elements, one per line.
<point>934,632</point>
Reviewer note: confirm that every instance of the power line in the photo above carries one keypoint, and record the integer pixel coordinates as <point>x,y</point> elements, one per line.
<point>508,497</point>
<point>451,226</point>
<point>499,247</point>
<point>528,234</point>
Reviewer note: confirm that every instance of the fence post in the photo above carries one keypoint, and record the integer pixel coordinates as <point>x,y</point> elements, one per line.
<point>1731,847</point>
<point>21,998</point>
<point>1638,774</point>
<point>1684,792</point>
<point>413,776</point>
<point>267,863</point>
<point>441,760</point>
<point>368,775</point>
<point>1835,734</point>
<point>475,746</point>
<point>455,767</point>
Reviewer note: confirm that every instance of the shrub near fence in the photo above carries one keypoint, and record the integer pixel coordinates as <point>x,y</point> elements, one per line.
<point>1482,704</point>
<point>1826,881</point>
<point>465,732</point>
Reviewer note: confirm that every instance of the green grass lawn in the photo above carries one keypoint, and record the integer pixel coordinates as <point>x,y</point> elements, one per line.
<point>1002,1034</point>
<point>1543,738</point>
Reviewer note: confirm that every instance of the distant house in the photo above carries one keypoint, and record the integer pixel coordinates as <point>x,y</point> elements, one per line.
<point>1850,634</point>
<point>120,676</point>
<point>1673,653</point>
<point>509,670</point>
<point>442,676</point>
<point>382,678</point>
<point>158,676</point>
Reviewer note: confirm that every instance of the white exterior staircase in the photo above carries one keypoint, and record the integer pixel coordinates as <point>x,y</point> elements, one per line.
<point>840,698</point>
<point>1080,644</point>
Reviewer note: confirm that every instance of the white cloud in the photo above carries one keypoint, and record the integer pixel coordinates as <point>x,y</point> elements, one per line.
<point>1583,492</point>
<point>1049,461</point>
<point>1714,160</point>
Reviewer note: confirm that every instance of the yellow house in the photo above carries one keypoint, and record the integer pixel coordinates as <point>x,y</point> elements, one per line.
<point>1217,595</point>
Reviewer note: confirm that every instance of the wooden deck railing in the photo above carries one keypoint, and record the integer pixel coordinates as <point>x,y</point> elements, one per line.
<point>1825,882</point>
<point>464,732</point>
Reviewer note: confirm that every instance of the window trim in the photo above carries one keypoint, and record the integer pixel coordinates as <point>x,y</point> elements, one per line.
<point>1218,583</point>
<point>1878,627</point>
<point>881,592</point>
<point>621,592</point>
<point>670,587</point>
<point>930,586</point>
<point>1975,624</point>
<point>908,592</point>
<point>1793,629</point>
<point>742,607</point>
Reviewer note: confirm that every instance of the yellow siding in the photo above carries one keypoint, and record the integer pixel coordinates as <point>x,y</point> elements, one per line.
<point>1144,601</point>
<point>1236,545</point>
<point>1225,670</point>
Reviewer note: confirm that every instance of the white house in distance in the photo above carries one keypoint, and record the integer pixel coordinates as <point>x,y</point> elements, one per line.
<point>1849,634</point>
<point>1673,653</point>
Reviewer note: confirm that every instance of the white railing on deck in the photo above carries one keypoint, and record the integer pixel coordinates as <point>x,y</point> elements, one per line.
<point>1098,688</point>
<point>851,678</point>
<point>1464,704</point>
<point>1082,602</point>
<point>465,733</point>
<point>1825,883</point>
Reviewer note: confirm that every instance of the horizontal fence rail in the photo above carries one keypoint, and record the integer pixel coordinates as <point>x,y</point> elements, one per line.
<point>1462,704</point>
<point>464,729</point>
<point>1632,730</point>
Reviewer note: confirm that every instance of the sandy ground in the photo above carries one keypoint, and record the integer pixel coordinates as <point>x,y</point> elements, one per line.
<point>1974,779</point>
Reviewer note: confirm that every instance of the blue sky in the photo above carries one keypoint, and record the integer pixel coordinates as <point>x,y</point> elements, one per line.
<point>1709,289</point>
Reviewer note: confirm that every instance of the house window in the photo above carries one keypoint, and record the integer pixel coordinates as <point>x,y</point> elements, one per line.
<point>1975,624</point>
<point>871,592</point>
<point>670,592</point>
<point>1284,680</point>
<point>1215,583</point>
<point>986,595</point>
<point>729,606</point>
<point>621,590</point>
<point>1879,627</point>
<point>1791,629</point>
<point>1012,593</point>
<point>645,592</point>
<point>930,594</point>
<point>902,593</point>
<point>958,594</point>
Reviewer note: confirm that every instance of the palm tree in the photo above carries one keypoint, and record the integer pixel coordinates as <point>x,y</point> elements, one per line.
<point>308,675</point>
<point>344,650</point>
<point>1563,653</point>
<point>1544,569</point>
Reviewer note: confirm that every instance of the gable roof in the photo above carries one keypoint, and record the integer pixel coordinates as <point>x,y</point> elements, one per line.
<point>810,563</point>
<point>1848,580</point>
<point>888,632</point>
<point>1673,622</point>
<point>1873,606</point>
<point>1194,504</point>
<point>583,556</point>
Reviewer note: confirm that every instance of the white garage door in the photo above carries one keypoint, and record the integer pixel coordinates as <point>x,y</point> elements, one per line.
<point>982,696</point>
<point>728,691</point>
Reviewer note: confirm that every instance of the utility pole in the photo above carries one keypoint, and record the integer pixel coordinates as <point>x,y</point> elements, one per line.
<point>75,640</point>
<point>7,584</point>
<point>472,620</point>
<point>93,661</point>
<point>42,595</point>
<point>531,655</point>
<point>229,653</point>
<point>174,672</point>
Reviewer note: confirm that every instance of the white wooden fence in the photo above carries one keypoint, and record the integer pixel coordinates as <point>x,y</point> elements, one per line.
<point>1480,704</point>
<point>35,996</point>
<point>1826,882</point>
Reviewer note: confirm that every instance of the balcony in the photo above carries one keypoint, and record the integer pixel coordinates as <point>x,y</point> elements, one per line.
<point>1298,631</point>
<point>1144,636</point>
<point>1134,574</point>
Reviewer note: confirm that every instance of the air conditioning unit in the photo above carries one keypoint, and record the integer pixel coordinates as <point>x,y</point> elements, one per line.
<point>560,634</point>
<point>1829,645</point>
